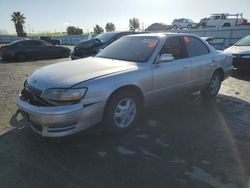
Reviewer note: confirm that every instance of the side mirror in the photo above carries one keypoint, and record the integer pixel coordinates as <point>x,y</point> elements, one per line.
<point>165,58</point>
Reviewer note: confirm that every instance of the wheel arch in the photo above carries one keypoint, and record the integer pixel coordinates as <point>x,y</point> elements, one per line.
<point>227,24</point>
<point>130,87</point>
<point>221,72</point>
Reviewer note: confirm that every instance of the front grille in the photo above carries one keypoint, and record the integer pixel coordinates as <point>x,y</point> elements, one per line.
<point>33,90</point>
<point>32,95</point>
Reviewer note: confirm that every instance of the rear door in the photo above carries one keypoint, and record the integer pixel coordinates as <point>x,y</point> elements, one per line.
<point>30,48</point>
<point>172,78</point>
<point>201,59</point>
<point>48,50</point>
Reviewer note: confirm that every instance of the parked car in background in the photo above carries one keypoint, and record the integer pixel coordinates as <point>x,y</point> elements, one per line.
<point>113,87</point>
<point>218,43</point>
<point>241,53</point>
<point>92,46</point>
<point>32,49</point>
<point>51,40</point>
<point>183,23</point>
<point>223,20</point>
<point>158,27</point>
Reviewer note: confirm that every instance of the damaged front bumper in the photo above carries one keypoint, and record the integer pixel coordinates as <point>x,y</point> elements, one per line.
<point>57,121</point>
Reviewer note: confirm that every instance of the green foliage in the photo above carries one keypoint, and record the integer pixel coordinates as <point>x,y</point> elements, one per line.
<point>110,27</point>
<point>47,34</point>
<point>71,30</point>
<point>134,24</point>
<point>98,29</point>
<point>18,20</point>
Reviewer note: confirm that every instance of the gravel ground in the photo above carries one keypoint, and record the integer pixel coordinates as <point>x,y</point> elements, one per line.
<point>182,143</point>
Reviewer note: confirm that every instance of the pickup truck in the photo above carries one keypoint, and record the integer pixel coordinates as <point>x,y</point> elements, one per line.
<point>223,20</point>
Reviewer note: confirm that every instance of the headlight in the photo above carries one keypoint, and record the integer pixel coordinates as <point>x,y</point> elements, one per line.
<point>64,95</point>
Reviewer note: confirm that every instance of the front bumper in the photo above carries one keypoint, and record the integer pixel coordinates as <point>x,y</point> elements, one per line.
<point>58,121</point>
<point>228,72</point>
<point>241,63</point>
<point>74,57</point>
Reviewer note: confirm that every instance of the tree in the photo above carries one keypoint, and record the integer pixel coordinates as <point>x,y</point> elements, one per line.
<point>18,20</point>
<point>72,30</point>
<point>110,27</point>
<point>134,24</point>
<point>98,29</point>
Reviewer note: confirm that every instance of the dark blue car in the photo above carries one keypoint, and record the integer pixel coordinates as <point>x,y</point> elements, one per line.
<point>91,47</point>
<point>32,49</point>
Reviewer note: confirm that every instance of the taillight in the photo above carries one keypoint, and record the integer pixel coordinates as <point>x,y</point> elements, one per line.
<point>3,49</point>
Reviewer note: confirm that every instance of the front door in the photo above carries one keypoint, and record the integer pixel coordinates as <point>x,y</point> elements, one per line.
<point>172,78</point>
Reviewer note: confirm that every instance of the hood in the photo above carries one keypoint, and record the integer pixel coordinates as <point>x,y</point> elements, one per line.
<point>238,49</point>
<point>88,43</point>
<point>67,74</point>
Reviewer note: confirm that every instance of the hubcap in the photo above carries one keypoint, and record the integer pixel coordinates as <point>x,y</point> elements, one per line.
<point>125,112</point>
<point>215,84</point>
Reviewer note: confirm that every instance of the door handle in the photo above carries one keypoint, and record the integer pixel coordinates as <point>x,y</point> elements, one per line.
<point>186,66</point>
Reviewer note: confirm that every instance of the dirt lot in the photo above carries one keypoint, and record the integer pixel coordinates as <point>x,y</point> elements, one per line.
<point>183,143</point>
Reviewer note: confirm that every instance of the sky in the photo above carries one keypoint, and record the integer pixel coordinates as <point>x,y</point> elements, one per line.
<point>56,15</point>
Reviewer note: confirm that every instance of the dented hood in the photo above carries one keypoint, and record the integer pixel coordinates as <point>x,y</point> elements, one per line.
<point>68,74</point>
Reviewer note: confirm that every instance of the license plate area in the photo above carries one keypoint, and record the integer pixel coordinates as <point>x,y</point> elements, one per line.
<point>25,115</point>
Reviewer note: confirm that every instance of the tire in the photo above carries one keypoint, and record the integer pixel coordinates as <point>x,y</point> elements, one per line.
<point>203,25</point>
<point>21,57</point>
<point>213,87</point>
<point>226,25</point>
<point>122,111</point>
<point>64,54</point>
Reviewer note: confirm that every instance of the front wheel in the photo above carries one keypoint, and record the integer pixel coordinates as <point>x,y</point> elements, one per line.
<point>64,54</point>
<point>214,86</point>
<point>122,112</point>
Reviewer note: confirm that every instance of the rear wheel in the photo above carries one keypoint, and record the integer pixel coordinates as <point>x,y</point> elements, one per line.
<point>226,25</point>
<point>203,25</point>
<point>214,86</point>
<point>122,112</point>
<point>21,57</point>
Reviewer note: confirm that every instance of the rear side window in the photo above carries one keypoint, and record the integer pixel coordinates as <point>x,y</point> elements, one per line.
<point>195,47</point>
<point>30,43</point>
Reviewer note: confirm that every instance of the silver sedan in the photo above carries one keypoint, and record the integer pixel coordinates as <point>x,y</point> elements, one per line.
<point>132,73</point>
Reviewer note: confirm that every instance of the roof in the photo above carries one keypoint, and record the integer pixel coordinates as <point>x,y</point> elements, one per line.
<point>163,34</point>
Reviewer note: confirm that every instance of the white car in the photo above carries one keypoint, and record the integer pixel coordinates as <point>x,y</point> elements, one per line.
<point>222,20</point>
<point>183,23</point>
<point>241,53</point>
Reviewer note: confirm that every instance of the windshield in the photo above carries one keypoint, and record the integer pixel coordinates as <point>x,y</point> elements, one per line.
<point>131,48</point>
<point>15,43</point>
<point>243,42</point>
<point>105,37</point>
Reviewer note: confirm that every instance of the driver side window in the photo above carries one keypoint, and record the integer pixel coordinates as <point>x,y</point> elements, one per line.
<point>175,47</point>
